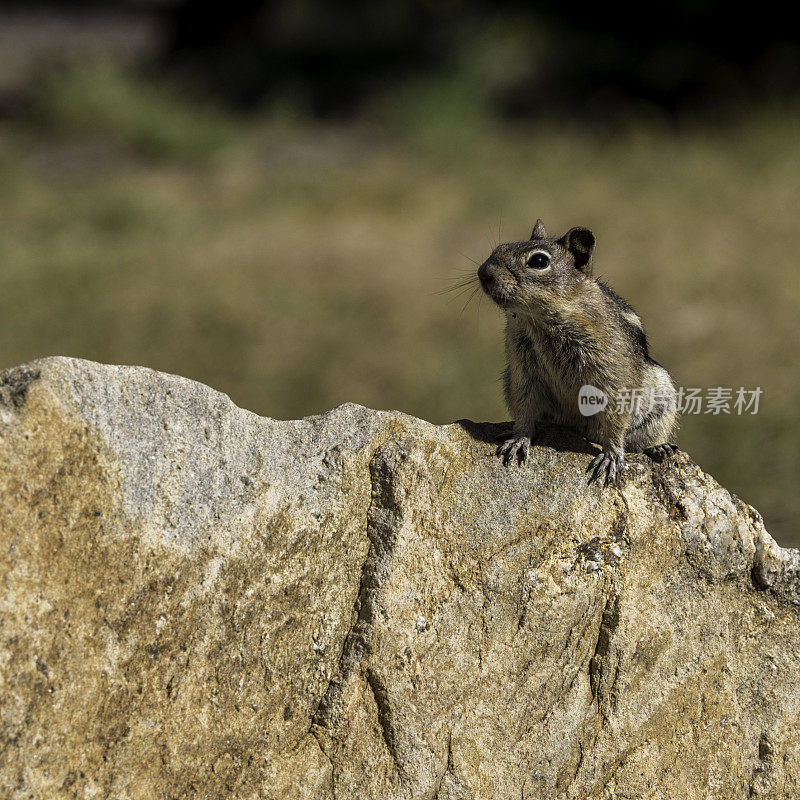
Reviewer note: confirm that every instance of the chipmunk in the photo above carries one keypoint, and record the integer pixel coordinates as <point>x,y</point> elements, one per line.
<point>566,330</point>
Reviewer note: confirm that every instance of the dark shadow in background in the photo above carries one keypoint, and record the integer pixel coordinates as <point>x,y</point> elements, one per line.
<point>684,58</point>
<point>572,59</point>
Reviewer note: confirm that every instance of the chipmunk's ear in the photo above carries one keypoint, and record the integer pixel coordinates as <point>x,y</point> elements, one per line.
<point>538,231</point>
<point>580,242</point>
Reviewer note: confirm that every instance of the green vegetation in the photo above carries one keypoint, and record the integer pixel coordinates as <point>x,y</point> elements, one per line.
<point>301,266</point>
<point>152,117</point>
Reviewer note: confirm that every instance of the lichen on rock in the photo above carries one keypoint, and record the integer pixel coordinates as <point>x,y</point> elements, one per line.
<point>200,602</point>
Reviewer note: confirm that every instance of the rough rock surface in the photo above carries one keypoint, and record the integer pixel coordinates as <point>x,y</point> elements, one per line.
<point>198,602</point>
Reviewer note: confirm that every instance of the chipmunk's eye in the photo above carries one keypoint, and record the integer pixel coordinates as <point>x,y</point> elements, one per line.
<point>539,260</point>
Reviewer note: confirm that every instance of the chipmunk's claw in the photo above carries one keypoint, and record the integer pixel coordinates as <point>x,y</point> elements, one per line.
<point>610,463</point>
<point>514,447</point>
<point>661,452</point>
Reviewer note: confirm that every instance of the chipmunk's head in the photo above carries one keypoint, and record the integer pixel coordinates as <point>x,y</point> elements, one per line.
<point>521,276</point>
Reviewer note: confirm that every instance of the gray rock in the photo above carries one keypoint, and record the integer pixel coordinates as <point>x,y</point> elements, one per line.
<point>200,602</point>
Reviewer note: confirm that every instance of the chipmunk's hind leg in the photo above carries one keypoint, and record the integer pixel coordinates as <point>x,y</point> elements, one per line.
<point>661,452</point>
<point>652,431</point>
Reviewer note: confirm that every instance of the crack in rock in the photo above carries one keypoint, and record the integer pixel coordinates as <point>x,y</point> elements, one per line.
<point>384,518</point>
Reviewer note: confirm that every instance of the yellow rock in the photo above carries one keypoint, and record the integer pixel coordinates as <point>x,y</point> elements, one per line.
<point>198,602</point>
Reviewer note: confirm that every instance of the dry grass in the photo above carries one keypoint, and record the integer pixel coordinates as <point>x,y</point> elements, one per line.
<point>302,267</point>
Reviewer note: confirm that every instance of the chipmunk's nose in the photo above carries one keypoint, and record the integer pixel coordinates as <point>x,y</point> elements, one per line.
<point>484,276</point>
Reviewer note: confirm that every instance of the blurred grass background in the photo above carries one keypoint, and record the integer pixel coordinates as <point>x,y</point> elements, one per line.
<point>298,262</point>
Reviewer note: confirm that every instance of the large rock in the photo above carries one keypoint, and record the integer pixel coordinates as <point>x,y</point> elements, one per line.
<point>198,602</point>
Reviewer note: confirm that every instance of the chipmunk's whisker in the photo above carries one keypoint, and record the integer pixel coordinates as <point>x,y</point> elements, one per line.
<point>461,284</point>
<point>470,298</point>
<point>464,255</point>
<point>460,294</point>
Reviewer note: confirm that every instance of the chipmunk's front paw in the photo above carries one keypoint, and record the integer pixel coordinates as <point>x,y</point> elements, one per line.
<point>515,447</point>
<point>609,463</point>
<point>661,452</point>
